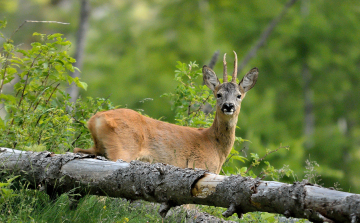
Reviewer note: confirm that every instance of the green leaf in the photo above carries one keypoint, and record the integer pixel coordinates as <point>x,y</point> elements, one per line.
<point>12,179</point>
<point>2,124</point>
<point>255,156</point>
<point>70,79</point>
<point>268,217</point>
<point>243,169</point>
<point>200,122</point>
<point>70,67</point>
<point>37,34</point>
<point>8,47</point>
<point>240,158</point>
<point>60,61</point>
<point>10,70</point>
<point>4,184</point>
<point>3,23</point>
<point>75,68</point>
<point>8,98</point>
<point>55,35</point>
<point>81,84</point>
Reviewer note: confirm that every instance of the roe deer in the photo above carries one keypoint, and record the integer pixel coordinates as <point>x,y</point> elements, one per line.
<point>127,135</point>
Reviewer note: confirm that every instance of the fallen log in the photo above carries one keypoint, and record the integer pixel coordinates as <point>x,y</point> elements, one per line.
<point>172,186</point>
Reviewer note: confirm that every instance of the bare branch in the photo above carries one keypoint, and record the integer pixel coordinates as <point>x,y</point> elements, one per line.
<point>264,35</point>
<point>34,21</point>
<point>214,59</point>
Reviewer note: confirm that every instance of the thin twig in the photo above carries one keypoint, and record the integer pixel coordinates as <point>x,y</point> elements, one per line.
<point>27,77</point>
<point>228,159</point>
<point>201,106</point>
<point>37,97</point>
<point>72,144</point>
<point>47,101</point>
<point>34,21</point>
<point>189,106</point>
<point>39,139</point>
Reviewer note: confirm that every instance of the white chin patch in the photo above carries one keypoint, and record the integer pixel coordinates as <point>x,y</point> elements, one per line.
<point>228,113</point>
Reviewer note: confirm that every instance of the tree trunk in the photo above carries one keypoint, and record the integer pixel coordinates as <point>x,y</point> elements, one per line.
<point>172,186</point>
<point>309,116</point>
<point>73,90</point>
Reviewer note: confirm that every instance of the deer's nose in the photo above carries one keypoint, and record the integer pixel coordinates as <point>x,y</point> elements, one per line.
<point>228,107</point>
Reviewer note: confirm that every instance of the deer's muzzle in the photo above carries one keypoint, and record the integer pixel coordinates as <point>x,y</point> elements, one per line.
<point>228,108</point>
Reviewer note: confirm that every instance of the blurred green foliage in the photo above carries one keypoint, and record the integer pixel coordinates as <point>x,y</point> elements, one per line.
<point>132,49</point>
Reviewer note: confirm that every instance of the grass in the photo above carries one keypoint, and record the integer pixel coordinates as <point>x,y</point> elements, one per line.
<point>21,204</point>
<point>35,206</point>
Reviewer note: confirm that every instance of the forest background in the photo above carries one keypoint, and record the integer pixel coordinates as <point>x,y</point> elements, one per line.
<point>307,94</point>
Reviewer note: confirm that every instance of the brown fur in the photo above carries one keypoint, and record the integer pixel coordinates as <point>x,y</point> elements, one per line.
<point>127,135</point>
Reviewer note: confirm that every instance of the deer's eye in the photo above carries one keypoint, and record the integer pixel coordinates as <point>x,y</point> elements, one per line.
<point>239,96</point>
<point>218,95</point>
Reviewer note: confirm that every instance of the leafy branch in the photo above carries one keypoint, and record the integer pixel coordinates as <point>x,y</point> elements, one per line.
<point>270,170</point>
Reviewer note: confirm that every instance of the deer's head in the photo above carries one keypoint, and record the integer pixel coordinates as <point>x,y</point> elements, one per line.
<point>229,95</point>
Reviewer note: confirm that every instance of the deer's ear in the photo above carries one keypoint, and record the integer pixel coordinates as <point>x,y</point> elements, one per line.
<point>249,80</point>
<point>210,78</point>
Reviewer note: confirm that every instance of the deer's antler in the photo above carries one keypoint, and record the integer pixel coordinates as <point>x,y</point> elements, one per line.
<point>225,69</point>
<point>233,80</point>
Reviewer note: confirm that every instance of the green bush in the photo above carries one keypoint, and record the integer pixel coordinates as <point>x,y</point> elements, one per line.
<point>39,115</point>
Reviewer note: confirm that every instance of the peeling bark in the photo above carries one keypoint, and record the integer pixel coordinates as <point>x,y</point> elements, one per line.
<point>172,186</point>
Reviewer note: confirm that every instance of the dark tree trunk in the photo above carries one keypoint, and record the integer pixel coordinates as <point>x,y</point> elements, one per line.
<point>309,117</point>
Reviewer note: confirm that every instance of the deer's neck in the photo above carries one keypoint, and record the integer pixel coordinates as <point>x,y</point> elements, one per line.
<point>223,129</point>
